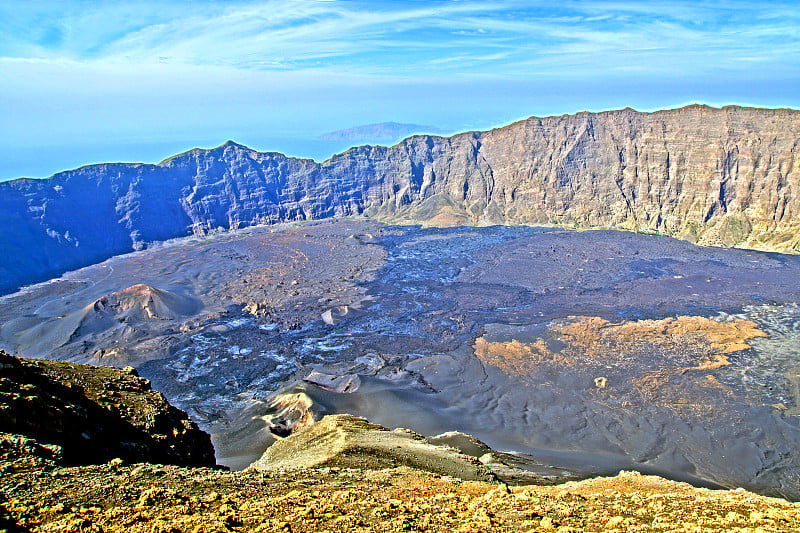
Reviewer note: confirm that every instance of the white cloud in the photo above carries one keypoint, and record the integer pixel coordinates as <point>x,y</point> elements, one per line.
<point>83,70</point>
<point>506,38</point>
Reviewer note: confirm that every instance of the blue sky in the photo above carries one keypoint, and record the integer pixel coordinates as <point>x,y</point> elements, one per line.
<point>91,81</point>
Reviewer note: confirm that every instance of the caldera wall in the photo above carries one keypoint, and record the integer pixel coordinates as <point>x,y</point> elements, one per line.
<point>715,176</point>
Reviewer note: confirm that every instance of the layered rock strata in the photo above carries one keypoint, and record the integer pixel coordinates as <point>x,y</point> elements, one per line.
<point>725,176</point>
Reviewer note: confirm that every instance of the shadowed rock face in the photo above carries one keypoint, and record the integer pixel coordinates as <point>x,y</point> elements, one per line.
<point>715,176</point>
<point>90,415</point>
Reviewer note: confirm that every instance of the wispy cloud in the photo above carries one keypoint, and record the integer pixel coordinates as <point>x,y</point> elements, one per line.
<point>89,70</point>
<point>410,37</point>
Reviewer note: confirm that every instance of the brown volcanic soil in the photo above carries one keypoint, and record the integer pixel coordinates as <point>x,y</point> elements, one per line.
<point>423,297</point>
<point>147,498</point>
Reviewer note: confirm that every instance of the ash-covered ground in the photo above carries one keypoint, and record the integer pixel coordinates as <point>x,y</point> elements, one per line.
<point>580,352</point>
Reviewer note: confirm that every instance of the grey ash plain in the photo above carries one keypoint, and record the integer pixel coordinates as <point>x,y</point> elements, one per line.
<point>349,316</point>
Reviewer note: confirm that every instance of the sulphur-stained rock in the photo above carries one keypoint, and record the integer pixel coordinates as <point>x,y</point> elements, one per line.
<point>714,176</point>
<point>87,415</point>
<point>346,441</point>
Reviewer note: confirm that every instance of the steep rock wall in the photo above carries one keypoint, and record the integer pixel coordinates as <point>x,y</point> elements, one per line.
<point>726,176</point>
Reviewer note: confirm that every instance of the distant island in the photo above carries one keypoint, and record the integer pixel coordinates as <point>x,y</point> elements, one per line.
<point>710,176</point>
<point>384,132</point>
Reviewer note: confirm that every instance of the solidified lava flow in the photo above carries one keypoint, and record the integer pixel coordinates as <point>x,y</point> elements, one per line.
<point>580,352</point>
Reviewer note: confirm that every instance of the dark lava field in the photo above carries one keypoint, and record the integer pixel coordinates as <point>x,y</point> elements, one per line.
<point>581,353</point>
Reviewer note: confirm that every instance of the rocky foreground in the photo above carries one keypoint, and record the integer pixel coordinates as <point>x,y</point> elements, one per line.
<point>148,498</point>
<point>89,414</point>
<point>42,488</point>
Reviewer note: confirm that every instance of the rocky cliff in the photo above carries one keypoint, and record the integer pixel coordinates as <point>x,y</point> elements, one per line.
<point>81,414</point>
<point>716,176</point>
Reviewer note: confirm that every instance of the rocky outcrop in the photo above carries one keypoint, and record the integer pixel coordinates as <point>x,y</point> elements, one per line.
<point>345,441</point>
<point>80,414</point>
<point>715,176</point>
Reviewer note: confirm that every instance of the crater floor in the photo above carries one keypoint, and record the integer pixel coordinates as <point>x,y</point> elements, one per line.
<point>583,353</point>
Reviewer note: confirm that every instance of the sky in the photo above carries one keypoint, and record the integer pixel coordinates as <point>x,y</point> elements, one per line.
<point>93,81</point>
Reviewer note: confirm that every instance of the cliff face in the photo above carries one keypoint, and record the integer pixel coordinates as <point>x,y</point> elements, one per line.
<point>89,415</point>
<point>726,176</point>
